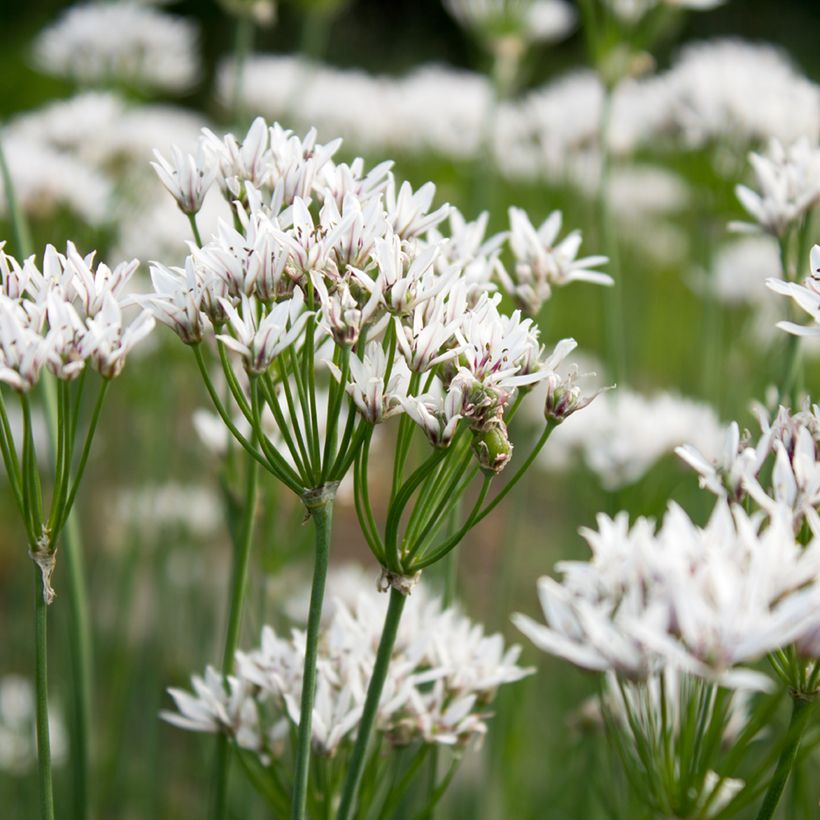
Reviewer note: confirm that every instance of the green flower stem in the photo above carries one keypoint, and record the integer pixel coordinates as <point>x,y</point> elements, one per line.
<point>195,229</point>
<point>371,705</point>
<point>551,425</point>
<point>322,515</point>
<point>81,650</point>
<point>243,541</point>
<point>801,713</point>
<point>243,44</point>
<point>223,413</point>
<point>41,677</point>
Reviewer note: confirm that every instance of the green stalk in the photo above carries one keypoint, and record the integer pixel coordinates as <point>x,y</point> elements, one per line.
<point>243,540</point>
<point>41,676</point>
<point>322,515</point>
<point>243,43</point>
<point>371,704</point>
<point>801,712</point>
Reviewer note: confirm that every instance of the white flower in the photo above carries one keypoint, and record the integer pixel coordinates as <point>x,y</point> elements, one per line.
<point>700,600</point>
<point>443,674</point>
<point>806,296</point>
<point>150,48</point>
<point>375,399</point>
<point>260,340</point>
<point>213,709</point>
<point>237,162</point>
<point>108,339</point>
<point>187,177</point>
<point>406,279</point>
<point>541,263</point>
<point>408,212</point>
<point>24,351</point>
<point>437,413</point>
<point>789,182</point>
<point>177,300</point>
<point>533,20</point>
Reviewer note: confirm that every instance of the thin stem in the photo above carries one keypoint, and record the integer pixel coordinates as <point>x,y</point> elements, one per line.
<point>243,540</point>
<point>243,43</point>
<point>551,425</point>
<point>78,475</point>
<point>81,650</point>
<point>371,704</point>
<point>195,230</point>
<point>801,712</point>
<point>322,516</point>
<point>41,676</point>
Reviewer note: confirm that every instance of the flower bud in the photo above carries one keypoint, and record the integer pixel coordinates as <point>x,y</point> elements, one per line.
<point>493,448</point>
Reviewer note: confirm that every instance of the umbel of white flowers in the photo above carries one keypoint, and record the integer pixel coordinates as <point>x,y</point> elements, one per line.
<point>700,600</point>
<point>65,316</point>
<point>325,256</point>
<point>444,674</point>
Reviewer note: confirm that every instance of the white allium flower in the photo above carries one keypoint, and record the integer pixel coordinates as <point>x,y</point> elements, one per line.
<point>542,262</point>
<point>46,180</point>
<point>631,11</point>
<point>700,600</point>
<point>443,675</point>
<point>740,269</point>
<point>738,92</point>
<point>377,395</point>
<point>806,296</point>
<point>409,212</point>
<point>260,341</point>
<point>187,177</point>
<point>531,20</point>
<point>437,412</point>
<point>212,709</point>
<point>623,433</point>
<point>150,49</point>
<point>789,182</point>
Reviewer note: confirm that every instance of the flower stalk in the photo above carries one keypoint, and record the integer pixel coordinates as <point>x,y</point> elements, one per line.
<point>321,511</point>
<point>802,709</point>
<point>374,691</point>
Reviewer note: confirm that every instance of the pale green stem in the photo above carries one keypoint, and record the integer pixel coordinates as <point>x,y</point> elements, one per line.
<point>41,677</point>
<point>243,541</point>
<point>374,692</point>
<point>322,515</point>
<point>801,712</point>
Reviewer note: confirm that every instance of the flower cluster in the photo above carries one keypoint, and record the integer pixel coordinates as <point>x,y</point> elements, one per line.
<point>806,296</point>
<point>444,673</point>
<point>346,268</point>
<point>700,600</point>
<point>151,49</point>
<point>789,181</point>
<point>789,445</point>
<point>64,315</point>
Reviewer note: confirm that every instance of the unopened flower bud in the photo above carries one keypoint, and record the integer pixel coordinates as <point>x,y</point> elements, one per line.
<point>493,448</point>
<point>564,396</point>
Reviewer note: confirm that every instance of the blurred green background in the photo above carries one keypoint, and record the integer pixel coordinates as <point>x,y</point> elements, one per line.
<point>158,591</point>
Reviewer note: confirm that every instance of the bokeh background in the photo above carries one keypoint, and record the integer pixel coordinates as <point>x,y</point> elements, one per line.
<point>151,508</point>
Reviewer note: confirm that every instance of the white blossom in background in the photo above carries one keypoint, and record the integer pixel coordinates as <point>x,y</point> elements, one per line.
<point>536,21</point>
<point>631,11</point>
<point>740,93</point>
<point>789,444</point>
<point>707,601</point>
<point>151,49</point>
<point>806,296</point>
<point>18,742</point>
<point>46,181</point>
<point>542,262</point>
<point>443,676</point>
<point>623,433</point>
<point>788,178</point>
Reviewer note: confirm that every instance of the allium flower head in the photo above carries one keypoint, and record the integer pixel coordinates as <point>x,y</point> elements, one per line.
<point>789,182</point>
<point>541,262</point>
